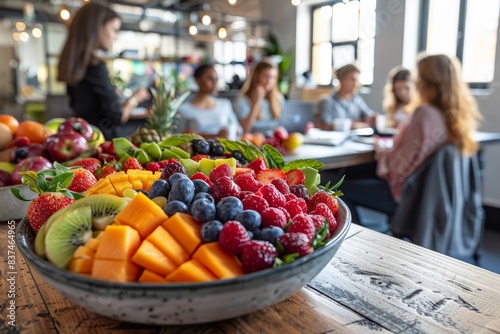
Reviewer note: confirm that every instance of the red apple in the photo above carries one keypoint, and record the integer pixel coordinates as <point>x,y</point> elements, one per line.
<point>31,150</point>
<point>65,146</point>
<point>34,163</point>
<point>280,133</point>
<point>78,125</point>
<point>5,179</point>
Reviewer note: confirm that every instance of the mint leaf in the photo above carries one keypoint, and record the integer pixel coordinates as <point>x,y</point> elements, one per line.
<point>60,181</point>
<point>17,193</point>
<point>290,257</point>
<point>60,168</point>
<point>299,163</point>
<point>41,182</point>
<point>179,139</point>
<point>250,152</point>
<point>273,156</point>
<point>320,235</point>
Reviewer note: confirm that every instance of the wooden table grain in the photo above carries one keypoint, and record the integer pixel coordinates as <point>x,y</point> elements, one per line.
<point>374,284</point>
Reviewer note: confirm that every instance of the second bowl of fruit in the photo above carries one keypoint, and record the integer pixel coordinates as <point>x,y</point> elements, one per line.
<point>199,244</point>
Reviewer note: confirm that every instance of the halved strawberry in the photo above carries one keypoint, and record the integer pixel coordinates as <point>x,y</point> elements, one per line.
<point>268,175</point>
<point>257,164</point>
<point>201,176</point>
<point>243,170</point>
<point>295,176</point>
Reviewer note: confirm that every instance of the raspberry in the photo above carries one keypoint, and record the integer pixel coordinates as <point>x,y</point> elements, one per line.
<point>272,195</point>
<point>296,242</point>
<point>131,163</point>
<point>254,202</point>
<point>301,191</point>
<point>248,182</point>
<point>323,197</point>
<point>221,171</point>
<point>245,193</point>
<point>323,210</point>
<point>172,167</point>
<point>303,225</point>
<point>258,255</point>
<point>290,197</point>
<point>273,217</point>
<point>281,185</point>
<point>224,187</point>
<point>163,163</point>
<point>287,215</point>
<point>153,166</point>
<point>296,206</point>
<point>318,220</point>
<point>233,237</point>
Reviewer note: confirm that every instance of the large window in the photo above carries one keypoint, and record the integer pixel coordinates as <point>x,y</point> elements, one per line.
<point>466,29</point>
<point>230,58</point>
<point>343,32</point>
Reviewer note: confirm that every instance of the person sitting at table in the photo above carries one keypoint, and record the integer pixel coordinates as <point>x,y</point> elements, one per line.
<point>259,105</point>
<point>92,95</point>
<point>205,114</point>
<point>345,102</point>
<point>445,113</point>
<point>398,92</point>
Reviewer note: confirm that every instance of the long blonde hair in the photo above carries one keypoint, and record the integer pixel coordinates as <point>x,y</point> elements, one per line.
<point>391,100</point>
<point>250,85</point>
<point>440,84</point>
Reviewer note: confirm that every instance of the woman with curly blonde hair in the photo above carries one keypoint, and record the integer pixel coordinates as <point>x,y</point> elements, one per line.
<point>398,93</point>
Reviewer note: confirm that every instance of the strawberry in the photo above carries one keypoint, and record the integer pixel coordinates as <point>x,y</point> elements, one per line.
<point>109,168</point>
<point>163,163</point>
<point>301,191</point>
<point>248,182</point>
<point>243,170</point>
<point>281,185</point>
<point>303,224</point>
<point>91,164</point>
<point>254,202</point>
<point>44,206</point>
<point>257,164</point>
<point>201,176</point>
<point>233,237</point>
<point>198,157</point>
<point>131,163</point>
<point>83,179</point>
<point>296,242</point>
<point>323,197</point>
<point>258,255</point>
<point>272,195</point>
<point>296,206</point>
<point>273,217</point>
<point>224,187</point>
<point>268,175</point>
<point>223,170</point>
<point>108,147</point>
<point>172,167</point>
<point>295,176</point>
<point>153,166</point>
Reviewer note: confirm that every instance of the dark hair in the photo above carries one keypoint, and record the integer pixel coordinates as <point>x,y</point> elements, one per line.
<point>345,70</point>
<point>82,41</point>
<point>402,74</point>
<point>198,73</point>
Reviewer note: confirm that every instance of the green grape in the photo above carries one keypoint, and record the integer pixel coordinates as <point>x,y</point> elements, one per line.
<point>130,193</point>
<point>160,201</point>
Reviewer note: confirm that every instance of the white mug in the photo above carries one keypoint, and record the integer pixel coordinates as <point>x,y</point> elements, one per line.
<point>381,122</point>
<point>342,124</point>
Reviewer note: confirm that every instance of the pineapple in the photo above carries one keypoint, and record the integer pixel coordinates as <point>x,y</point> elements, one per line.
<point>161,122</point>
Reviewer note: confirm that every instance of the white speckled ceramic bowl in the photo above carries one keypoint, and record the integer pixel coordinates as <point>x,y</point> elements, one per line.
<point>12,208</point>
<point>187,303</point>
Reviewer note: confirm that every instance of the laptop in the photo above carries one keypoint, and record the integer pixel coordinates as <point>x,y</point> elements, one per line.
<point>296,114</point>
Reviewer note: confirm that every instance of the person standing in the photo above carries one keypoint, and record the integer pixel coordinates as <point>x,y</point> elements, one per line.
<point>92,95</point>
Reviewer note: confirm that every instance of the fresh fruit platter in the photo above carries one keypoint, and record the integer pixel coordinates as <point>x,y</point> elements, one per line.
<point>185,230</point>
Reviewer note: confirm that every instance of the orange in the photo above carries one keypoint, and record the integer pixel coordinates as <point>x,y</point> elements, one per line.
<point>10,121</point>
<point>36,132</point>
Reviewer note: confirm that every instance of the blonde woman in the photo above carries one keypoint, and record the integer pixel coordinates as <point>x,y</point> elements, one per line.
<point>445,113</point>
<point>259,105</point>
<point>398,93</point>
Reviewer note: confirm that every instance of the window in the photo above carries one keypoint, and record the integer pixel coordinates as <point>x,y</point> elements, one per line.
<point>466,29</point>
<point>343,32</point>
<point>230,58</point>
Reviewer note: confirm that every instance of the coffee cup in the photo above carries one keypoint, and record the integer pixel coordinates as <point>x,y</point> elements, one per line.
<point>342,124</point>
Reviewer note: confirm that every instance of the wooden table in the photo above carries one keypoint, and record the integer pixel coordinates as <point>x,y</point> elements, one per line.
<point>375,283</point>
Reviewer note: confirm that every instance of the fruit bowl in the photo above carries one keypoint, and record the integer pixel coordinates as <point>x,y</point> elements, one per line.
<point>11,207</point>
<point>185,303</point>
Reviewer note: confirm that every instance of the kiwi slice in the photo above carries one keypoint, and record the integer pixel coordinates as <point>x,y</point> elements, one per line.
<point>69,231</point>
<point>104,208</point>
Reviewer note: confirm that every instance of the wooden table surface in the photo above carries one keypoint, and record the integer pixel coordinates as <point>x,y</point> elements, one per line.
<point>375,283</point>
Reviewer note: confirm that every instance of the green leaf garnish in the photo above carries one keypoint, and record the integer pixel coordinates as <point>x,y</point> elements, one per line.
<point>300,163</point>
<point>277,263</point>
<point>333,189</point>
<point>273,156</point>
<point>320,235</point>
<point>250,152</point>
<point>179,139</point>
<point>289,257</point>
<point>18,194</point>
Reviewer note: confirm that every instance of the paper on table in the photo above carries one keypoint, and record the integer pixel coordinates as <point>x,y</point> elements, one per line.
<point>317,136</point>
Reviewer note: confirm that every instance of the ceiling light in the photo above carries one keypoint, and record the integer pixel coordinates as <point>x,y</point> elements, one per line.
<point>232,2</point>
<point>64,14</point>
<point>206,19</point>
<point>24,36</point>
<point>193,30</point>
<point>295,2</point>
<point>36,32</point>
<point>20,26</point>
<point>222,32</point>
<point>15,36</point>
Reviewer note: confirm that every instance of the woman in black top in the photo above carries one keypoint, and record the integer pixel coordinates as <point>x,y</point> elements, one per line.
<point>92,96</point>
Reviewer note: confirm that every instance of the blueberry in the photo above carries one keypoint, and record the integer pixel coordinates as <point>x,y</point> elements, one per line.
<point>21,152</point>
<point>228,208</point>
<point>201,186</point>
<point>270,234</point>
<point>211,143</point>
<point>210,230</point>
<point>203,210</point>
<point>159,188</point>
<point>182,190</point>
<point>203,195</point>
<point>237,154</point>
<point>202,147</point>
<point>175,206</point>
<point>218,150</point>
<point>145,192</point>
<point>174,177</point>
<point>256,233</point>
<point>243,161</point>
<point>249,218</point>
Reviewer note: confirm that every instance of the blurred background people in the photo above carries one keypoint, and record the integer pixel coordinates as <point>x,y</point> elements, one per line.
<point>205,114</point>
<point>345,102</point>
<point>260,104</point>
<point>398,93</point>
<point>92,95</point>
